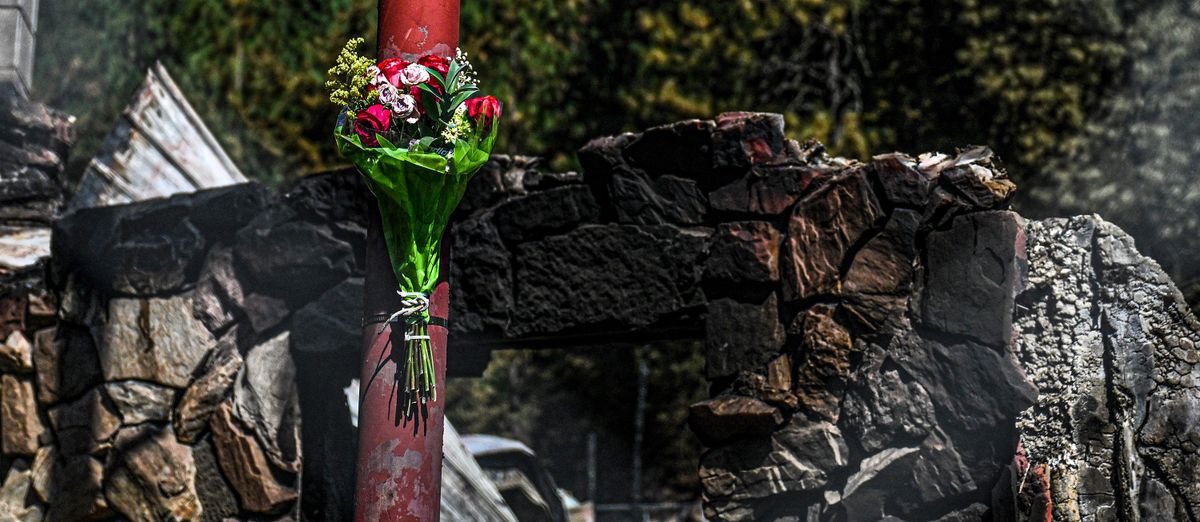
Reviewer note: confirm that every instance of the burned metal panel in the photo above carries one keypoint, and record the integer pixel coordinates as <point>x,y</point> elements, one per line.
<point>159,147</point>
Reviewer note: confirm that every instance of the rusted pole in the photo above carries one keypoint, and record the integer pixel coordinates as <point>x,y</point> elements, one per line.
<point>399,471</point>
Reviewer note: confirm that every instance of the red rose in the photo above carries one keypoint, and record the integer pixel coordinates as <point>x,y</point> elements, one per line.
<point>483,110</point>
<point>391,68</point>
<point>370,122</point>
<point>435,62</point>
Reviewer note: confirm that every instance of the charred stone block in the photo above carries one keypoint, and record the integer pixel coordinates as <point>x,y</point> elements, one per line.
<point>546,212</point>
<point>332,322</point>
<point>972,277</point>
<point>741,336</point>
<point>743,139</point>
<point>901,184</point>
<point>481,282</point>
<point>744,252</point>
<point>295,260</point>
<point>683,148</point>
<point>732,416</point>
<point>823,229</point>
<point>605,275</point>
<point>638,199</point>
<point>767,190</point>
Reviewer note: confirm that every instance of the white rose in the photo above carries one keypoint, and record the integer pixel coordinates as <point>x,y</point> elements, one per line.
<point>376,76</point>
<point>414,74</point>
<point>405,107</point>
<point>388,94</point>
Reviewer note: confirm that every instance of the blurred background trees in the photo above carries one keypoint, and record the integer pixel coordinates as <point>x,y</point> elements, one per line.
<point>1090,102</point>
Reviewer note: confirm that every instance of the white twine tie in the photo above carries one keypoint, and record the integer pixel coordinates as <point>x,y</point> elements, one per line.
<point>411,303</point>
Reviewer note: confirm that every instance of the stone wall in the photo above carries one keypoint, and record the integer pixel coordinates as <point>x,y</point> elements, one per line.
<point>857,318</point>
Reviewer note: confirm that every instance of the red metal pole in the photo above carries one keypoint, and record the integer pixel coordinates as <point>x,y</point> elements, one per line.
<point>399,471</point>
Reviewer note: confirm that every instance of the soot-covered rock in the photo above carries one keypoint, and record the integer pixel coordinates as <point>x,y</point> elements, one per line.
<point>767,190</point>
<point>610,274</point>
<point>743,139</point>
<point>541,213</point>
<point>823,228</point>
<point>744,252</point>
<point>742,480</point>
<point>480,278</point>
<point>973,276</point>
<point>741,336</point>
<point>332,322</point>
<point>295,260</point>
<point>732,416</point>
<point>977,394</point>
<point>683,148</point>
<point>902,184</point>
<point>639,199</point>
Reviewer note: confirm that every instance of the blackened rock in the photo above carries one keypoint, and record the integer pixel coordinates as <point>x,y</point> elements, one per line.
<point>683,148</point>
<point>333,322</point>
<point>732,416</point>
<point>770,469</point>
<point>902,184</point>
<point>605,275</point>
<point>877,314</point>
<point>881,409</point>
<point>21,182</point>
<point>973,276</point>
<point>767,190</point>
<point>159,259</point>
<point>191,414</point>
<point>977,393</point>
<point>339,195</point>
<point>743,139</point>
<point>638,199</point>
<point>480,278</point>
<point>546,212</point>
<point>974,513</point>
<point>744,252</point>
<point>601,155</point>
<point>265,399</point>
<point>295,260</point>
<point>824,366</point>
<point>823,228</point>
<point>219,212</point>
<point>906,480</point>
<point>884,265</point>
<point>741,336</point>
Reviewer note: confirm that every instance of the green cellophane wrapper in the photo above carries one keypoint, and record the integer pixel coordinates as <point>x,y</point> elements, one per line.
<point>417,192</point>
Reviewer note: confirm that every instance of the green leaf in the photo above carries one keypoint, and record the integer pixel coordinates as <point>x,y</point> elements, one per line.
<point>384,142</point>
<point>437,76</point>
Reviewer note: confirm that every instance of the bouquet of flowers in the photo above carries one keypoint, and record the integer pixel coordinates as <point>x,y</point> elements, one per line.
<point>417,131</point>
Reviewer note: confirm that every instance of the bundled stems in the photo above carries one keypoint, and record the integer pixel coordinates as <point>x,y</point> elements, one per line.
<point>415,374</point>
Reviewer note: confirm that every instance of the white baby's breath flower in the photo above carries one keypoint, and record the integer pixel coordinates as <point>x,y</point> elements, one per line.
<point>414,74</point>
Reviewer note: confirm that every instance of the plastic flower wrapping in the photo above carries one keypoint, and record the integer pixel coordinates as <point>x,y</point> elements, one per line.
<point>417,131</point>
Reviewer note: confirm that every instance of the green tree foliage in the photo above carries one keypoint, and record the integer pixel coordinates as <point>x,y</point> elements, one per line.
<point>254,70</point>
